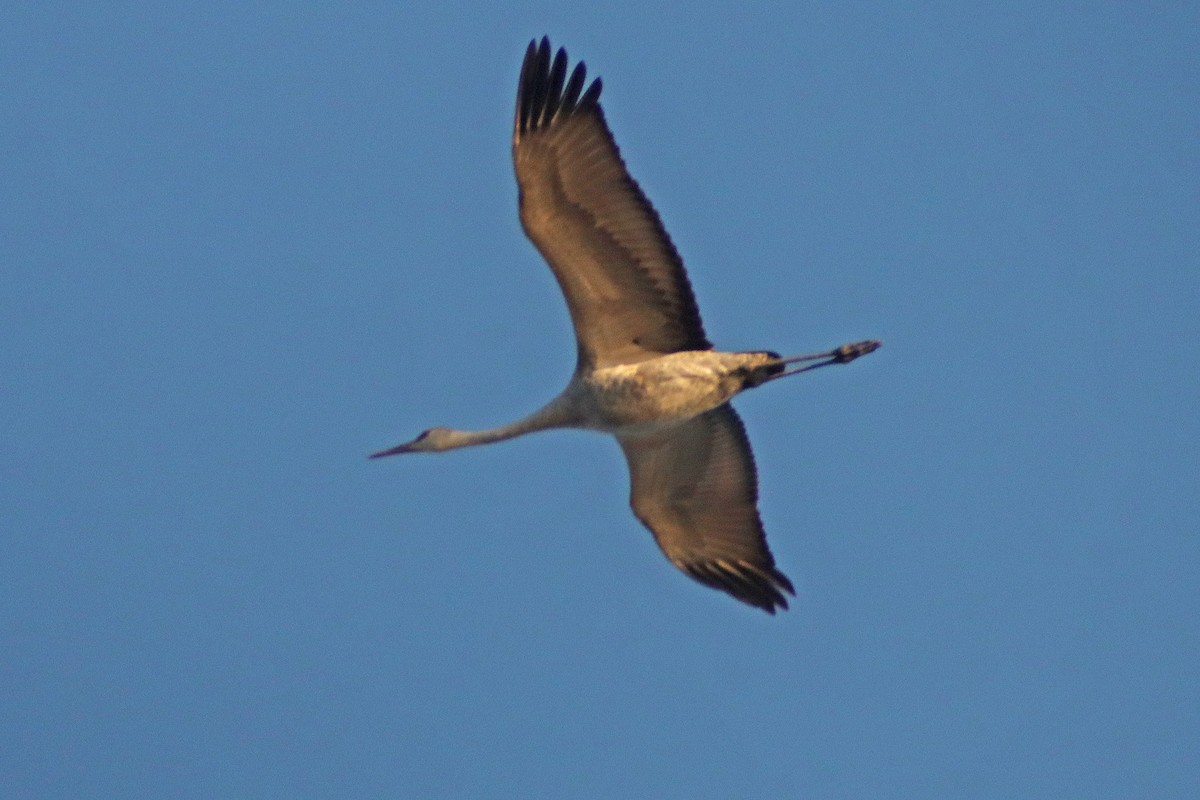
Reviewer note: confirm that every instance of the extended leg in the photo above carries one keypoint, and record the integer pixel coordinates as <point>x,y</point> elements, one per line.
<point>842,355</point>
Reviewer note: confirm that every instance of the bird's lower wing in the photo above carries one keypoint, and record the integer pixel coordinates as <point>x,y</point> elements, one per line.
<point>695,487</point>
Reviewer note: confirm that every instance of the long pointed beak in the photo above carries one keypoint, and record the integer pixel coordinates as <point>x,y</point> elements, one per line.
<point>391,451</point>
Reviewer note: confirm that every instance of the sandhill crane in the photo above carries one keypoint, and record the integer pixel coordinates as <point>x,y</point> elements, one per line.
<point>645,370</point>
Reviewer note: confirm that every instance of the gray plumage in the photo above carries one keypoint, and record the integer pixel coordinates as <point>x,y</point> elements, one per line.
<point>645,371</point>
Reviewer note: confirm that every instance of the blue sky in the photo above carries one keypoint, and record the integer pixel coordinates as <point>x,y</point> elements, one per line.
<point>244,245</point>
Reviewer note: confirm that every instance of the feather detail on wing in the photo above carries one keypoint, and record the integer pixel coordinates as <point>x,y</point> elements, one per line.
<point>695,487</point>
<point>622,278</point>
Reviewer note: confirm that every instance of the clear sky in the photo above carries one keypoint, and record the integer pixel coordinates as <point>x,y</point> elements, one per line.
<point>242,245</point>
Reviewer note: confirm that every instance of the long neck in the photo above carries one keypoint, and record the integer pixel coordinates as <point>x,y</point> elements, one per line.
<point>555,414</point>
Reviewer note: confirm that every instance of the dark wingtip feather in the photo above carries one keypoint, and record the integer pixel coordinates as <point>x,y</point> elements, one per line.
<point>558,74</point>
<point>592,96</point>
<point>753,585</point>
<point>545,93</point>
<point>574,87</point>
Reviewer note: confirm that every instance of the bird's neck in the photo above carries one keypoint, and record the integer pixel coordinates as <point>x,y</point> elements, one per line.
<point>558,413</point>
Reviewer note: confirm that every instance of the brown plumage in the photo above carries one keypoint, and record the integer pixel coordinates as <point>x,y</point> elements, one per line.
<point>623,279</point>
<point>646,371</point>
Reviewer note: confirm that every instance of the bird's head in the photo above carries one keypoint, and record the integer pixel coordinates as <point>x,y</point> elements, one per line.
<point>430,441</point>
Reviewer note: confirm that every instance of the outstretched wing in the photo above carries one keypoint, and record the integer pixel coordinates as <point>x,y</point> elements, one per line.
<point>695,487</point>
<point>624,283</point>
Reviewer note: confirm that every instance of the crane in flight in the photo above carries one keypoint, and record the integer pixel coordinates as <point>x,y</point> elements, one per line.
<point>645,370</point>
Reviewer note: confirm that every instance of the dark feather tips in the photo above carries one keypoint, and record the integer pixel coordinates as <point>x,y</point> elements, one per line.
<point>546,92</point>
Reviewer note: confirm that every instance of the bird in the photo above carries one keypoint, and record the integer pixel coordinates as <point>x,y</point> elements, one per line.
<point>645,370</point>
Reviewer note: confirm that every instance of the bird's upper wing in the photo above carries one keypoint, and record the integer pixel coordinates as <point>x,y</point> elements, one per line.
<point>624,283</point>
<point>695,487</point>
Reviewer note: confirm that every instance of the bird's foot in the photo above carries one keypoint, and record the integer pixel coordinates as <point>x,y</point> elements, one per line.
<point>848,352</point>
<point>842,355</point>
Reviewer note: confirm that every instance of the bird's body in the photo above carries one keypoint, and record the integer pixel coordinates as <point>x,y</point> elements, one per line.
<point>630,399</point>
<point>663,391</point>
<point>646,372</point>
